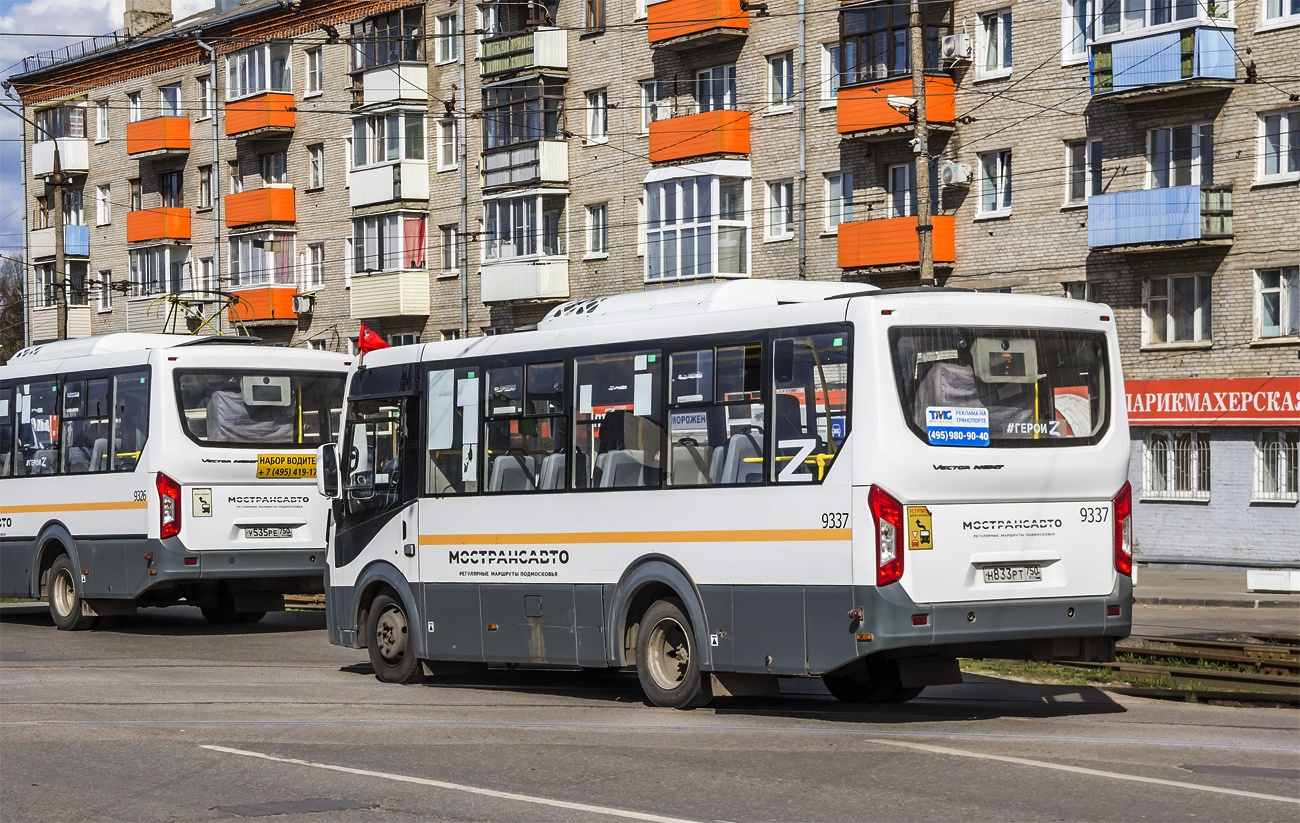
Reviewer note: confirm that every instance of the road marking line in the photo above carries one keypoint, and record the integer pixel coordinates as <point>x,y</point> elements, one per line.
<point>1136,778</point>
<point>421,781</point>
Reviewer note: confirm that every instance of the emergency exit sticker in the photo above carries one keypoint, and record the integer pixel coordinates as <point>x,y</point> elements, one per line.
<point>286,466</point>
<point>952,426</point>
<point>919,534</point>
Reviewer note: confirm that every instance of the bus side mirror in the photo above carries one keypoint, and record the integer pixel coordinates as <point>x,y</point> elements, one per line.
<point>327,470</point>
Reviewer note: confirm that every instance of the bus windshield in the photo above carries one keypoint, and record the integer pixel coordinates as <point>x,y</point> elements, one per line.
<point>235,408</point>
<point>1002,387</point>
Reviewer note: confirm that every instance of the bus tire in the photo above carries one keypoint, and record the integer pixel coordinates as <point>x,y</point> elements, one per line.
<point>222,614</point>
<point>251,617</point>
<point>667,662</point>
<point>875,681</point>
<point>65,598</point>
<point>389,643</point>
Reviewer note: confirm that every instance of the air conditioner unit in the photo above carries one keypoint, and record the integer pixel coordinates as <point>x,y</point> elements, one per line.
<point>304,303</point>
<point>954,175</point>
<point>660,110</point>
<point>955,47</point>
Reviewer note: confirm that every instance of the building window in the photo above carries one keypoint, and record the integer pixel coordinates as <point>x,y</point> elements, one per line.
<point>1282,10</point>
<point>258,70</point>
<point>598,229</point>
<point>105,277</point>
<point>404,339</point>
<point>1139,15</point>
<point>1181,156</point>
<point>593,15</point>
<point>447,242</point>
<point>780,81</point>
<point>830,74</point>
<point>103,205</point>
<point>1083,158</point>
<point>388,38</point>
<point>207,277</point>
<point>385,138</point>
<point>449,334</point>
<point>780,210</point>
<point>1176,465</point>
<point>137,194</point>
<point>654,103</point>
<point>447,145</point>
<point>597,116</point>
<point>133,107</point>
<point>236,174</point>
<point>900,188</point>
<point>388,242</point>
<point>60,122</point>
<point>875,39</point>
<point>1278,302</point>
<point>45,286</point>
<point>995,43</point>
<point>262,258</point>
<point>995,183</point>
<point>312,65</point>
<point>315,278</point>
<point>1081,290</point>
<point>1277,465</point>
<point>101,121</point>
<point>447,42</point>
<point>171,188</point>
<point>273,168</point>
<point>316,166</point>
<point>715,88</point>
<point>1075,30</point>
<point>169,100</point>
<point>696,227</point>
<point>42,215</point>
<point>1177,310</point>
<point>523,113</point>
<point>207,97</point>
<point>528,226</point>
<point>1280,152</point>
<point>839,199</point>
<point>158,269</point>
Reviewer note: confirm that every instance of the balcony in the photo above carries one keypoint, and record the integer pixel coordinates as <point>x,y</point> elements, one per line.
<point>545,161</point>
<point>390,294</point>
<point>723,132</point>
<point>263,305</point>
<point>397,81</point>
<point>267,114</point>
<point>523,51</point>
<point>526,280</point>
<point>45,323</point>
<point>74,153</point>
<point>157,224</point>
<point>1161,219</point>
<point>76,242</point>
<point>406,180</point>
<point>1170,64</point>
<point>678,25</point>
<point>273,204</point>
<point>158,136</point>
<point>891,243</point>
<point>863,111</point>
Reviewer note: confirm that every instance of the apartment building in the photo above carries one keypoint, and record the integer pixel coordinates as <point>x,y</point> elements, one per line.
<point>446,169</point>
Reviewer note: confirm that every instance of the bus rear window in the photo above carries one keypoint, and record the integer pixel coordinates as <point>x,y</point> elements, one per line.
<point>236,408</point>
<point>1002,387</point>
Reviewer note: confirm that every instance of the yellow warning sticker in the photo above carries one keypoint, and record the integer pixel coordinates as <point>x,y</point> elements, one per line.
<point>286,466</point>
<point>919,536</point>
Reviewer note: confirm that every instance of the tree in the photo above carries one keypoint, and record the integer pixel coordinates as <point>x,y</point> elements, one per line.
<point>11,304</point>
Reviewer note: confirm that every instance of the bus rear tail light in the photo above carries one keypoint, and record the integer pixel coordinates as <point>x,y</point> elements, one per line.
<point>888,514</point>
<point>1123,505</point>
<point>169,506</point>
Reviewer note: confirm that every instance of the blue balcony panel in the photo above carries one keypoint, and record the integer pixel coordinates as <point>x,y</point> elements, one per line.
<point>1157,60</point>
<point>1147,216</point>
<point>76,240</point>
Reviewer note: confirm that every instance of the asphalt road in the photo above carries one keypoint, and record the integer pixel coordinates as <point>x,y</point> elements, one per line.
<point>163,717</point>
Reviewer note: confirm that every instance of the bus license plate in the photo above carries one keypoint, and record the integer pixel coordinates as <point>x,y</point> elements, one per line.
<point>1013,574</point>
<point>264,532</point>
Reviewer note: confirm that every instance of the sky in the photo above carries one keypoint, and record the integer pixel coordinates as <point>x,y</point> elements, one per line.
<point>27,28</point>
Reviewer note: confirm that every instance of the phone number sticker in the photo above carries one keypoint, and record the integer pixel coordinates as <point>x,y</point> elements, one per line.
<point>286,466</point>
<point>951,426</point>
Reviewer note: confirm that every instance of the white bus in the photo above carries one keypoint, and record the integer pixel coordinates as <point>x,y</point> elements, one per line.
<point>146,469</point>
<point>718,485</point>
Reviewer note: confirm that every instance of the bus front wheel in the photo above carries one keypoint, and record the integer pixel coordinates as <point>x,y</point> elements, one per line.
<point>65,598</point>
<point>875,681</point>
<point>667,662</point>
<point>388,640</point>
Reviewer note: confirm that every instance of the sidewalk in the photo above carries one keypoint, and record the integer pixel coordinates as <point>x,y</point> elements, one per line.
<point>1161,585</point>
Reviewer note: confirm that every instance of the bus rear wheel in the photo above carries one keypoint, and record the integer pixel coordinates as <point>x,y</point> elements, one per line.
<point>65,598</point>
<point>388,640</point>
<point>875,681</point>
<point>667,662</point>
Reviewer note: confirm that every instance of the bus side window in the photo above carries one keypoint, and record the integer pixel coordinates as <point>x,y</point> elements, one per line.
<point>130,420</point>
<point>810,418</point>
<point>452,437</point>
<point>85,425</point>
<point>715,417</point>
<point>38,435</point>
<point>6,432</point>
<point>618,420</point>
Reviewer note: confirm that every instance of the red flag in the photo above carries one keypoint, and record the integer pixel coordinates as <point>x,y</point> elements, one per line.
<point>369,341</point>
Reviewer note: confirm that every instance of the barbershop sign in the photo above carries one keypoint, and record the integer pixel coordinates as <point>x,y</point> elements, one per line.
<point>1215,401</point>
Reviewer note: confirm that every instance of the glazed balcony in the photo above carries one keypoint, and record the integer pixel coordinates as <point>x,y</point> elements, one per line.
<point>389,294</point>
<point>863,111</point>
<point>157,224</point>
<point>274,204</point>
<point>543,161</point>
<point>891,243</point>
<point>268,114</point>
<point>720,132</point>
<point>404,180</point>
<point>76,242</point>
<point>158,136</point>
<point>526,281</point>
<point>263,305</point>
<point>1193,60</point>
<point>678,25</point>
<point>394,82</point>
<point>74,154</point>
<point>1161,219</point>
<point>524,51</point>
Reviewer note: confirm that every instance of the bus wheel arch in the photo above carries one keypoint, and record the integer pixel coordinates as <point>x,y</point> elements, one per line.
<point>377,580</point>
<point>647,581</point>
<point>53,541</point>
<point>59,582</point>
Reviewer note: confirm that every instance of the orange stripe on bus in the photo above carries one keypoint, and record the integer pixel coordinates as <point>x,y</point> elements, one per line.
<point>76,507</point>
<point>743,536</point>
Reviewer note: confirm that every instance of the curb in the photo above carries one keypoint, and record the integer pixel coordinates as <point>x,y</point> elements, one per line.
<point>1159,600</point>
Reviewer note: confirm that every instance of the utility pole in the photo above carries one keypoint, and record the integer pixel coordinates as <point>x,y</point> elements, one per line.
<point>924,231</point>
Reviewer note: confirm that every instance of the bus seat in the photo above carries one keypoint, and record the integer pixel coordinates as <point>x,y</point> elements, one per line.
<point>513,473</point>
<point>4,465</point>
<point>691,464</point>
<point>735,468</point>
<point>622,470</point>
<point>718,463</point>
<point>99,455</point>
<point>551,475</point>
<point>43,461</point>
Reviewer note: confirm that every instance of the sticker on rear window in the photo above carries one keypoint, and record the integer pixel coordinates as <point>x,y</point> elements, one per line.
<point>950,426</point>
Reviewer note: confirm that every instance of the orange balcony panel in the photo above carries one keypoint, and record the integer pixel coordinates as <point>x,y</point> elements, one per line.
<point>157,135</point>
<point>702,21</point>
<point>866,108</point>
<point>262,304</point>
<point>272,111</point>
<point>157,224</point>
<point>892,242</point>
<point>250,208</point>
<point>699,135</point>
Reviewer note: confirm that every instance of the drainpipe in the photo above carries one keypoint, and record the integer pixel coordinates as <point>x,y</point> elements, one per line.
<point>216,166</point>
<point>462,132</point>
<point>801,58</point>
<point>27,245</point>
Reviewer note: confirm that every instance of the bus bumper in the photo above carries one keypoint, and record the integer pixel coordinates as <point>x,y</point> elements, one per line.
<point>167,562</point>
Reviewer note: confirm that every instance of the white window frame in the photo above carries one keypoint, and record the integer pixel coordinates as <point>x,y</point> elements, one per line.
<point>249,71</point>
<point>1161,169</point>
<point>316,166</point>
<point>205,187</point>
<point>104,204</point>
<point>1159,307</point>
<point>778,223</point>
<point>380,145</point>
<point>158,269</point>
<point>1088,172</point>
<point>1286,142</point>
<point>1174,470</point>
<point>133,107</point>
<point>407,338</point>
<point>831,78</point>
<point>1076,31</point>
<point>1288,301</point>
<point>446,45</point>
<point>105,278</point>
<point>1082,290</point>
<point>999,179</point>
<point>597,231</point>
<point>665,224</point>
<point>900,201</point>
<point>1140,15</point>
<point>1288,13</point>
<point>235,173</point>
<point>598,116</point>
<point>262,258</point>
<point>515,227</point>
<point>448,157</point>
<point>1277,458</point>
<point>313,69</point>
<point>994,44</point>
<point>170,103</point>
<point>382,238</point>
<point>654,103</point>
<point>449,254</point>
<point>206,276</point>
<point>715,88</point>
<point>780,82</point>
<point>314,275</point>
<point>206,97</point>
<point>642,10</point>
<point>274,168</point>
<point>102,123</point>
<point>839,206</point>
